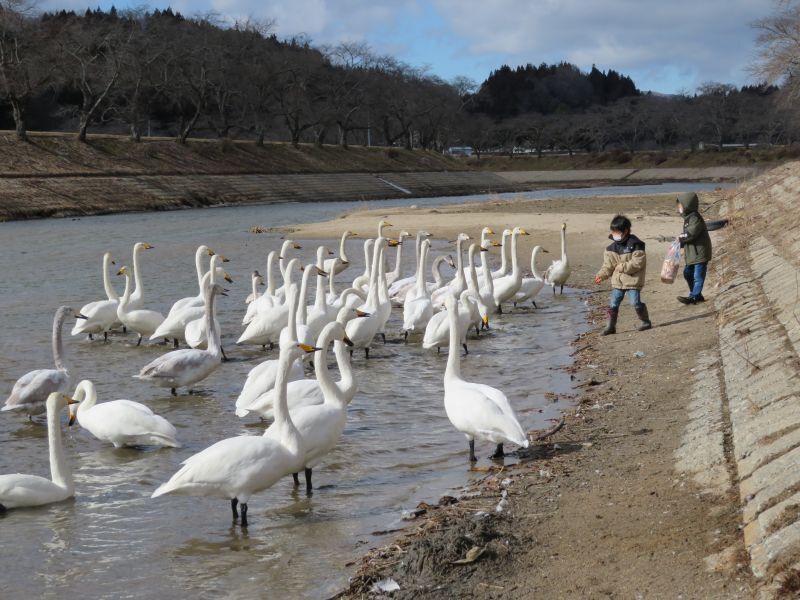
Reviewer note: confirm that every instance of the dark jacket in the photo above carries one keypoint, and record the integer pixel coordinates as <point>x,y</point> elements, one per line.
<point>626,263</point>
<point>695,241</point>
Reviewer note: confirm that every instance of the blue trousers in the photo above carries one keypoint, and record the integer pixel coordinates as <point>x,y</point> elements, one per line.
<point>617,295</point>
<point>695,276</point>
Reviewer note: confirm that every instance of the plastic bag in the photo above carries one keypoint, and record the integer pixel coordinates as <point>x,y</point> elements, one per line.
<point>672,261</point>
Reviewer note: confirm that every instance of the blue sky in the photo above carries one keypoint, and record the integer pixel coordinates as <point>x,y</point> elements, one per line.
<point>665,45</point>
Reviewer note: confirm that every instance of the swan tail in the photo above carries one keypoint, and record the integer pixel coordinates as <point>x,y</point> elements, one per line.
<point>242,412</point>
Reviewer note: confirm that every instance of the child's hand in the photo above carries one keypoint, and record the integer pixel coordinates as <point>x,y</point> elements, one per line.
<point>598,280</point>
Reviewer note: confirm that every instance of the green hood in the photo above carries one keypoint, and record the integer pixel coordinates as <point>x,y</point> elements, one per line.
<point>689,202</point>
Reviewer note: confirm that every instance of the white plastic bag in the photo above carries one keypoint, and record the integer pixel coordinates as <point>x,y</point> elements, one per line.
<point>672,261</point>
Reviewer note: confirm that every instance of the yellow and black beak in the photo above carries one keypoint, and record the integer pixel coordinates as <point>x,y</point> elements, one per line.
<point>523,232</point>
<point>484,249</point>
<point>323,273</point>
<point>81,316</point>
<point>228,278</point>
<point>308,349</point>
<point>122,271</point>
<point>297,246</point>
<point>496,244</point>
<point>331,253</point>
<point>545,251</point>
<point>113,262</point>
<point>210,252</point>
<point>489,231</point>
<point>392,243</point>
<point>347,341</point>
<point>148,246</point>
<point>224,259</point>
<point>361,313</point>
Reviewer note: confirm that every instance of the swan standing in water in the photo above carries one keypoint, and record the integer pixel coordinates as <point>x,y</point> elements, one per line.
<point>200,271</point>
<point>437,333</point>
<point>557,273</point>
<point>321,425</point>
<point>144,322</point>
<point>503,270</point>
<point>238,467</point>
<point>344,262</point>
<point>397,272</point>
<point>459,282</point>
<point>475,409</point>
<point>136,300</point>
<point>32,390</point>
<point>362,281</point>
<point>18,490</point>
<point>101,315</point>
<point>506,287</point>
<point>417,306</point>
<point>531,285</point>
<point>121,422</point>
<point>182,368</point>
<point>400,288</point>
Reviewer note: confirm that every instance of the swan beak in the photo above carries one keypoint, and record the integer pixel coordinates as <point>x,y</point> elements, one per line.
<point>484,249</point>
<point>393,243</point>
<point>348,341</point>
<point>113,262</point>
<point>148,246</point>
<point>523,232</point>
<point>331,252</point>
<point>308,349</point>
<point>72,416</point>
<point>224,259</point>
<point>323,273</point>
<point>297,246</point>
<point>361,313</point>
<point>489,231</point>
<point>70,400</point>
<point>210,252</point>
<point>228,278</point>
<point>345,262</point>
<point>486,320</point>
<point>496,244</point>
<point>122,271</point>
<point>280,258</point>
<point>545,251</point>
<point>223,293</point>
<point>81,316</point>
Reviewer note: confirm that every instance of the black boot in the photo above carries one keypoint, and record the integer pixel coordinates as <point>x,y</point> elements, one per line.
<point>644,317</point>
<point>611,325</point>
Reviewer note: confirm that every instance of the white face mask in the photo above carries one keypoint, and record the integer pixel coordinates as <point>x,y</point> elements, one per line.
<point>680,209</point>
<point>616,237</point>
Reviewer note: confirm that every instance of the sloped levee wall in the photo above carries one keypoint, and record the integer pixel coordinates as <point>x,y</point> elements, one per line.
<point>759,333</point>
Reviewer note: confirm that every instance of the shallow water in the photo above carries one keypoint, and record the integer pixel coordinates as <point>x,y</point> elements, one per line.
<point>113,541</point>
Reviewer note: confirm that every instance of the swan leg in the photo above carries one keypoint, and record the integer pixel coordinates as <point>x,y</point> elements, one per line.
<point>405,337</point>
<point>139,341</point>
<point>124,329</point>
<point>224,358</point>
<point>90,337</point>
<point>173,391</point>
<point>477,331</point>
<point>562,289</point>
<point>472,451</point>
<point>534,303</point>
<point>174,342</point>
<point>383,335</point>
<point>264,347</point>
<point>366,353</point>
<point>351,353</point>
<point>235,512</point>
<point>271,346</point>
<point>244,514</point>
<point>499,309</point>
<point>105,336</point>
<point>464,345</point>
<point>308,481</point>
<point>498,452</point>
<point>296,479</point>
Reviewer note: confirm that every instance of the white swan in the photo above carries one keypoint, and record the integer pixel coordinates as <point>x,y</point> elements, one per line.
<point>32,390</point>
<point>476,410</point>
<point>321,425</point>
<point>397,272</point>
<point>269,298</point>
<point>18,490</point>
<point>505,287</point>
<point>238,467</point>
<point>362,281</point>
<point>143,321</point>
<point>362,331</point>
<point>183,368</point>
<point>503,270</point>
<point>436,271</point>
<point>256,280</point>
<point>479,309</point>
<point>261,378</point>
<point>305,334</point>
<point>136,300</point>
<point>531,285</point>
<point>399,289</point>
<point>101,315</point>
<point>459,283</point>
<point>318,314</point>
<point>558,272</point>
<point>269,320</point>
<point>283,263</point>
<point>174,324</point>
<point>437,333</point>
<point>486,243</point>
<point>417,308</point>
<point>121,422</point>
<point>200,270</point>
<point>344,262</point>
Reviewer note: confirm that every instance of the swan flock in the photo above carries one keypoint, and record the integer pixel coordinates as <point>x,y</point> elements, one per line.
<point>307,414</point>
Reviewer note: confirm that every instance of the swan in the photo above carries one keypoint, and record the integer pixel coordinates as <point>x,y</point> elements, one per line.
<point>261,378</point>
<point>505,287</point>
<point>459,283</point>
<point>283,263</point>
<point>417,308</point>
<point>101,315</point>
<point>31,391</point>
<point>174,324</point>
<point>321,425</point>
<point>475,409</point>
<point>304,333</point>
<point>238,467</point>
<point>486,243</point>
<point>19,491</point>
<point>344,263</point>
<point>304,392</point>
<point>269,320</point>
<point>437,333</point>
<point>362,281</point>
<point>396,273</point>
<point>399,289</point>
<point>121,422</point>
<point>141,320</point>
<point>183,368</point>
<point>256,280</point>
<point>436,270</point>
<point>136,300</point>
<point>318,314</point>
<point>362,331</point>
<point>503,270</point>
<point>478,310</point>
<point>269,298</point>
<point>558,272</point>
<point>531,285</point>
<point>197,300</point>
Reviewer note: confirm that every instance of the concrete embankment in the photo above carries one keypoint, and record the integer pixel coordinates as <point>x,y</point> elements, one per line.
<point>759,335</point>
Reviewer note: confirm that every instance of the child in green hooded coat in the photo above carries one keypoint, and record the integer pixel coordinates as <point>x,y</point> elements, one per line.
<point>696,244</point>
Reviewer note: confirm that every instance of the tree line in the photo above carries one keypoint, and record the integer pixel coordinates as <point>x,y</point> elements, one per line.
<point>161,73</point>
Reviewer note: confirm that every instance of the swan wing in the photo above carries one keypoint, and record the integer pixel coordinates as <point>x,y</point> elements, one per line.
<point>127,422</point>
<point>482,411</point>
<point>34,387</point>
<point>173,363</point>
<point>17,490</point>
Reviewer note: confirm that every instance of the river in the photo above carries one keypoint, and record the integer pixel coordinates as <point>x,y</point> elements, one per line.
<point>113,541</point>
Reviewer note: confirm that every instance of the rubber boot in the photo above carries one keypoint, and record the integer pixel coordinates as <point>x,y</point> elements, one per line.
<point>611,326</point>
<point>644,317</point>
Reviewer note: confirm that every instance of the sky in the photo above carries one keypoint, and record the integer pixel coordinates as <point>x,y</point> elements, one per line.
<point>666,46</point>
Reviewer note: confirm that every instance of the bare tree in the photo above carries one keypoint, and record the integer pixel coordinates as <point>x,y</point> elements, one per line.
<point>778,44</point>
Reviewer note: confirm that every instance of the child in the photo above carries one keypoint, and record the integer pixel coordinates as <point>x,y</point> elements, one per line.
<point>625,262</point>
<point>696,244</point>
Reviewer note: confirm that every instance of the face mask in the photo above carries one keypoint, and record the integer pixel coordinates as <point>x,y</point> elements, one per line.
<point>616,237</point>
<point>680,209</point>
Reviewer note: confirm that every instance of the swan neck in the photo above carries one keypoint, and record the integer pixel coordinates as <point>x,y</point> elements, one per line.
<point>473,273</point>
<point>398,264</point>
<point>514,262</point>
<point>347,381</point>
<point>342,254</point>
<point>292,298</point>
<point>437,273</point>
<point>111,293</point>
<point>326,384</point>
<point>198,267</point>
<point>126,295</point>
<point>283,419</point>
<point>213,341</point>
<point>372,295</point>
<point>504,255</point>
<point>58,345</point>
<point>302,313</point>
<point>60,472</point>
<point>563,245</point>
<point>270,274</point>
<point>534,272</point>
<point>453,355</point>
<point>422,288</point>
<point>86,396</point>
<point>138,288</point>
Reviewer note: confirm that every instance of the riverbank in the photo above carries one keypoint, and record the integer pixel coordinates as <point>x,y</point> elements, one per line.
<point>52,175</point>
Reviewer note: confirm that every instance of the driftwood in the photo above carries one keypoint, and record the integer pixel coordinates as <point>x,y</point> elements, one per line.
<point>555,428</point>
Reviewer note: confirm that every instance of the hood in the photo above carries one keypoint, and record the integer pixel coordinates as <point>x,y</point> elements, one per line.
<point>689,202</point>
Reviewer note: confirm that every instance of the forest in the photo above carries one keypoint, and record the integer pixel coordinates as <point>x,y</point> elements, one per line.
<point>160,73</point>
